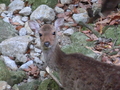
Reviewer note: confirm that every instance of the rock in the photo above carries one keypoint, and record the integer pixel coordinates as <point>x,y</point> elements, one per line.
<point>79,44</point>
<point>66,1</point>
<point>24,19</point>
<point>50,3</point>
<point>30,85</point>
<point>10,63</point>
<point>112,33</point>
<point>44,13</point>
<point>4,72</point>
<point>25,11</point>
<point>68,32</point>
<point>42,75</point>
<point>59,10</point>
<point>15,5</point>
<point>22,32</point>
<point>2,8</point>
<point>17,77</point>
<point>83,17</point>
<point>29,31</point>
<point>18,20</point>
<point>16,45</point>
<point>6,30</point>
<point>37,60</point>
<point>93,1</point>
<point>49,84</point>
<point>26,65</point>
<point>6,19</point>
<point>7,14</point>
<point>4,86</point>
<point>20,58</point>
<point>37,50</point>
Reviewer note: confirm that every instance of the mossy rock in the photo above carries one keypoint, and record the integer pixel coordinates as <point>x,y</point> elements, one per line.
<point>4,72</point>
<point>49,84</point>
<point>6,30</point>
<point>30,85</point>
<point>16,77</point>
<point>36,3</point>
<point>113,33</point>
<point>79,45</point>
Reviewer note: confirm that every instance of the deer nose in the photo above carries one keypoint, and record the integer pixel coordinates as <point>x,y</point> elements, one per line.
<point>46,44</point>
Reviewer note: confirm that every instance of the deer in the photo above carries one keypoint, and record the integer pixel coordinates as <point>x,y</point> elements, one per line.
<point>76,71</point>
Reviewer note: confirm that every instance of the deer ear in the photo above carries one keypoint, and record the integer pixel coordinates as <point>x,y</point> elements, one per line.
<point>59,22</point>
<point>34,26</point>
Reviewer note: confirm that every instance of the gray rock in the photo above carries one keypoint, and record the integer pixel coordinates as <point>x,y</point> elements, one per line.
<point>66,1</point>
<point>44,13</point>
<point>83,17</point>
<point>2,7</point>
<point>25,11</point>
<point>22,32</point>
<point>24,19</point>
<point>4,85</point>
<point>6,19</point>
<point>7,14</point>
<point>59,10</point>
<point>18,19</point>
<point>79,44</point>
<point>26,65</point>
<point>15,5</point>
<point>37,50</point>
<point>37,60</point>
<point>4,72</point>
<point>10,63</point>
<point>68,32</point>
<point>15,45</point>
<point>93,1</point>
<point>21,58</point>
<point>6,30</point>
<point>29,31</point>
<point>33,85</point>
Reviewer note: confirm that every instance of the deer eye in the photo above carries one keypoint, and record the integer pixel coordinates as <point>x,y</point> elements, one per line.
<point>53,33</point>
<point>40,34</point>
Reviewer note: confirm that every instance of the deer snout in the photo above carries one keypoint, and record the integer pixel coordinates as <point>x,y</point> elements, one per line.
<point>47,44</point>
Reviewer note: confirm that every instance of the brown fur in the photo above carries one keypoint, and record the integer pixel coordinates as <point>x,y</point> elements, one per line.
<point>77,71</point>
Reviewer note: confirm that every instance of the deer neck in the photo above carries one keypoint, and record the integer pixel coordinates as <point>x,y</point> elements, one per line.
<point>54,57</point>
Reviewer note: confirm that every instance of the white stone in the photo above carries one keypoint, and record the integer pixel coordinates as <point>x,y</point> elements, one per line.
<point>83,17</point>
<point>22,32</point>
<point>25,11</point>
<point>18,20</point>
<point>15,5</point>
<point>4,85</point>
<point>44,13</point>
<point>2,7</point>
<point>6,19</point>
<point>59,10</point>
<point>68,32</point>
<point>93,1</point>
<point>24,19</point>
<point>10,63</point>
<point>21,58</point>
<point>37,50</point>
<point>66,1</point>
<point>29,31</point>
<point>37,60</point>
<point>26,65</point>
<point>15,45</point>
<point>7,14</point>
